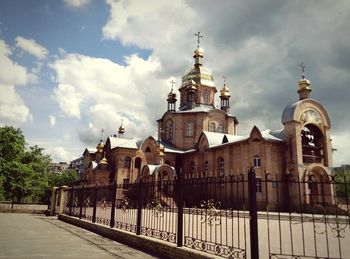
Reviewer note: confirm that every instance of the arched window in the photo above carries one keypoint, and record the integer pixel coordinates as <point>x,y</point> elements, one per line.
<point>212,127</point>
<point>165,133</point>
<point>206,96</point>
<point>170,132</point>
<point>312,144</point>
<point>138,162</point>
<point>127,162</point>
<point>148,149</point>
<point>257,161</point>
<point>220,128</point>
<point>221,166</point>
<point>189,129</point>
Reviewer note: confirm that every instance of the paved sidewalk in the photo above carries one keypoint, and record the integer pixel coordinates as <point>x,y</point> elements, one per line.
<point>33,236</point>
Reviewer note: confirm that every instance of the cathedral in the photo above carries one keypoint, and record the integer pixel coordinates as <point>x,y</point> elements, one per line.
<point>198,140</point>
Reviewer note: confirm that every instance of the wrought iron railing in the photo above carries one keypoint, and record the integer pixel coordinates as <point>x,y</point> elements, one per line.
<point>288,216</point>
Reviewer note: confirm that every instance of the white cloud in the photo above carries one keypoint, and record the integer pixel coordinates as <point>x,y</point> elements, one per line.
<point>10,72</point>
<point>52,120</point>
<point>31,47</point>
<point>77,3</point>
<point>104,92</point>
<point>60,154</point>
<point>68,99</point>
<point>12,108</point>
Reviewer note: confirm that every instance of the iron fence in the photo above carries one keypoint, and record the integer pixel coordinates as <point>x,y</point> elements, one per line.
<point>234,216</point>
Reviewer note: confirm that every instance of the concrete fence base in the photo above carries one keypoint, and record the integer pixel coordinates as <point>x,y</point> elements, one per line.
<point>150,245</point>
<point>23,208</point>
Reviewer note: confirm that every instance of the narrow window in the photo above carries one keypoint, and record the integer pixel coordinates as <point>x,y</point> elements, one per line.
<point>170,132</point>
<point>221,166</point>
<point>206,97</point>
<point>258,184</point>
<point>257,161</point>
<point>126,184</point>
<point>127,162</point>
<point>205,169</point>
<point>212,127</point>
<point>193,168</point>
<point>220,128</point>
<point>189,129</point>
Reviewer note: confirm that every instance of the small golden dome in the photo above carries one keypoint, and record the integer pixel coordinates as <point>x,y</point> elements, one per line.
<point>225,92</point>
<point>104,161</point>
<point>304,84</point>
<point>121,129</point>
<point>100,146</point>
<point>198,52</point>
<point>171,96</point>
<point>160,150</point>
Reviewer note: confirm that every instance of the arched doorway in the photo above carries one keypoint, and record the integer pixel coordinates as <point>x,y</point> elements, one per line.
<point>319,189</point>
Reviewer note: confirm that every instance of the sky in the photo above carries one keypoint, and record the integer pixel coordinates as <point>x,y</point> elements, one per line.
<point>72,67</point>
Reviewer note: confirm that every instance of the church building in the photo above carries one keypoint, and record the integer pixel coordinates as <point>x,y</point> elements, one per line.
<point>198,140</point>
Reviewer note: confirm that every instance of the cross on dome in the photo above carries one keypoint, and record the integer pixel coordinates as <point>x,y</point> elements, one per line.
<point>172,82</point>
<point>198,35</point>
<point>302,65</point>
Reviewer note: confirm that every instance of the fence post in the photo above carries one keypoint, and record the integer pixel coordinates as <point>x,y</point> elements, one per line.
<point>139,209</point>
<point>94,204</point>
<point>253,215</point>
<point>114,192</point>
<point>81,202</point>
<point>71,200</point>
<point>180,206</point>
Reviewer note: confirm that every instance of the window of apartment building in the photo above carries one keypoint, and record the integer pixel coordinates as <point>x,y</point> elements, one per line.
<point>189,129</point>
<point>257,161</point>
<point>127,162</point>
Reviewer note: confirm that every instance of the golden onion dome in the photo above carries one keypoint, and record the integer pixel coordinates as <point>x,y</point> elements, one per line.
<point>304,84</point>
<point>160,150</point>
<point>104,161</point>
<point>100,146</point>
<point>171,96</point>
<point>121,129</point>
<point>198,53</point>
<point>225,92</point>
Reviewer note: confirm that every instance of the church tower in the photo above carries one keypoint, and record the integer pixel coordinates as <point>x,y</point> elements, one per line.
<point>197,113</point>
<point>307,129</point>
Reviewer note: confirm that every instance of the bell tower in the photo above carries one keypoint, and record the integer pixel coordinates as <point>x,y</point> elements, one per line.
<point>307,130</point>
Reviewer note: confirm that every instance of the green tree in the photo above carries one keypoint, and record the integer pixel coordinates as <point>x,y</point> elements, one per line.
<point>343,182</point>
<point>67,177</point>
<point>23,172</point>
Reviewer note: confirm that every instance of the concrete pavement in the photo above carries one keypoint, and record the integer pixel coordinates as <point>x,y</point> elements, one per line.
<point>33,236</point>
